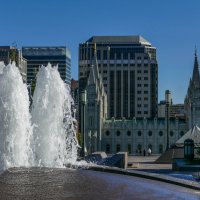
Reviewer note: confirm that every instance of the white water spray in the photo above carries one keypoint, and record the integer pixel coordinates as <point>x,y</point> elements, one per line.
<point>15,126</point>
<point>51,140</point>
<point>54,142</point>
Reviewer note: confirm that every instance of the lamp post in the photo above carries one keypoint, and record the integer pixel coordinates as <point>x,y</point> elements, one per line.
<point>83,103</point>
<point>167,101</point>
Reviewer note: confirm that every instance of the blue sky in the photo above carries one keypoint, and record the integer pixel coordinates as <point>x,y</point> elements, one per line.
<point>172,26</point>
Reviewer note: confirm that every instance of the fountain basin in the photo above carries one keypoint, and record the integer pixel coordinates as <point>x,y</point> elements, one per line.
<point>48,183</point>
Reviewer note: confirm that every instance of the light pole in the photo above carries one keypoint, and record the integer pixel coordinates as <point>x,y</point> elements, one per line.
<point>167,102</point>
<point>83,103</point>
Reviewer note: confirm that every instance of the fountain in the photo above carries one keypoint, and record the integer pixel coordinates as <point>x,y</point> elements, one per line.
<point>50,140</point>
<point>15,122</point>
<point>54,130</point>
<point>34,148</point>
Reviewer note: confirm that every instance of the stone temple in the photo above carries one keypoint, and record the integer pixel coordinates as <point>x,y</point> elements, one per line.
<point>113,135</point>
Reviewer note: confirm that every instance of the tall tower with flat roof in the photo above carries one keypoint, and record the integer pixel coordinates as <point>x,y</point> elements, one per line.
<point>129,71</point>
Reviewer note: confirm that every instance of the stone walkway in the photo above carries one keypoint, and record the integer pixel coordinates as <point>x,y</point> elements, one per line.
<point>146,163</point>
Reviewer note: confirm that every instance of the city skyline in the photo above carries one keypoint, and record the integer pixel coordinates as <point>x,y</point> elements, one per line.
<point>172,27</point>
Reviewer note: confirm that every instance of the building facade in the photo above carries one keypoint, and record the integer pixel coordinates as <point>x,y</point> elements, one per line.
<point>140,134</point>
<point>95,109</point>
<point>112,135</point>
<point>10,54</point>
<point>129,71</point>
<point>37,56</point>
<point>175,110</point>
<point>192,99</point>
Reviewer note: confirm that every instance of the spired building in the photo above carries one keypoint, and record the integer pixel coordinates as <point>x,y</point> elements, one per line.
<point>129,72</point>
<point>102,133</point>
<point>95,108</point>
<point>11,53</point>
<point>192,99</point>
<point>37,56</point>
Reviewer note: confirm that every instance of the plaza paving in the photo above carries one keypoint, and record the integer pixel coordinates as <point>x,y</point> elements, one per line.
<point>147,163</point>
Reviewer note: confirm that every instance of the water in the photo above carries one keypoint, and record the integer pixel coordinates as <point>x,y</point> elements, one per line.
<point>48,183</point>
<point>54,130</point>
<point>44,138</point>
<point>15,122</point>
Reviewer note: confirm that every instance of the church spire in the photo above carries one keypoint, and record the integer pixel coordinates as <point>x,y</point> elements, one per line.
<point>95,62</point>
<point>195,75</point>
<point>94,70</point>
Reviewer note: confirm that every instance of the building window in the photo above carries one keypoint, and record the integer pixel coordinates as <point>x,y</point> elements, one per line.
<point>98,54</point>
<point>139,92</point>
<point>91,122</point>
<point>139,85</point>
<point>139,98</point>
<point>146,71</point>
<point>139,147</point>
<point>171,133</point>
<point>107,148</point>
<point>104,78</point>
<point>129,133</point>
<point>150,133</point>
<point>146,112</point>
<point>160,133</point>
<point>139,112</point>
<point>105,55</point>
<point>129,148</point>
<point>145,85</point>
<point>139,105</point>
<point>139,133</point>
<point>160,148</point>
<point>181,133</point>
<point>145,92</point>
<point>118,147</point>
<point>146,78</point>
<point>139,71</point>
<point>107,133</point>
<point>118,133</point>
<point>139,78</point>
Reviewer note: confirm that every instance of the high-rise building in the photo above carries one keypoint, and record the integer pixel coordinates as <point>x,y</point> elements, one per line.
<point>175,110</point>
<point>192,99</point>
<point>74,93</point>
<point>129,71</point>
<point>10,54</point>
<point>37,56</point>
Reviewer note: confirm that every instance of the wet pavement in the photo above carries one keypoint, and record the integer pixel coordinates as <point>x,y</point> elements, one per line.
<point>44,183</point>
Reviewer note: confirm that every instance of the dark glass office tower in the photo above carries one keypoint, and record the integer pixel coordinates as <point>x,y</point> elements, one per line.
<point>37,56</point>
<point>129,71</point>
